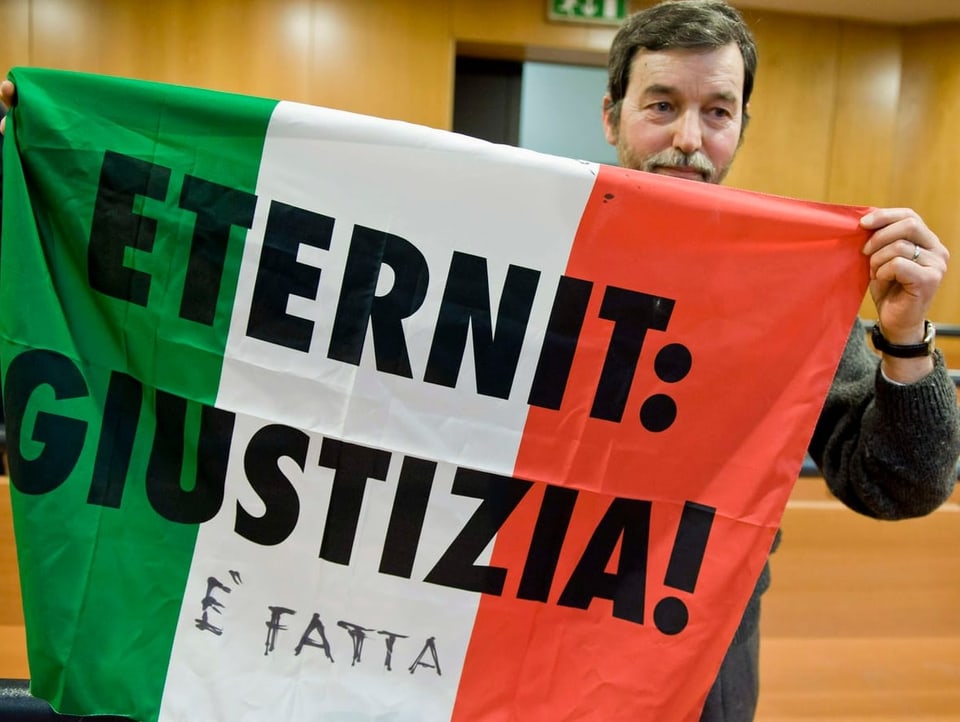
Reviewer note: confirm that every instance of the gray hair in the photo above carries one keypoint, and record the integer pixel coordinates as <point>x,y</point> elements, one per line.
<point>690,24</point>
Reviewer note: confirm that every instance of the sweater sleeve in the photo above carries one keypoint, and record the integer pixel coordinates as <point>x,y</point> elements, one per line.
<point>887,450</point>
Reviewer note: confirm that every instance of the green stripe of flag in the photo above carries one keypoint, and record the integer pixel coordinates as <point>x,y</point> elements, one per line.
<point>91,572</point>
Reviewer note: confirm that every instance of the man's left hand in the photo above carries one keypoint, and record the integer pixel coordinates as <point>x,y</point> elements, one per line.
<point>907,266</point>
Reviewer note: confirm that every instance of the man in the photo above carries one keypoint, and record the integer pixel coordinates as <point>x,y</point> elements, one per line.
<point>681,74</point>
<point>888,438</point>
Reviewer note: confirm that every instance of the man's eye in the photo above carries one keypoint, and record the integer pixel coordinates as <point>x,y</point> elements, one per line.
<point>662,107</point>
<point>721,113</point>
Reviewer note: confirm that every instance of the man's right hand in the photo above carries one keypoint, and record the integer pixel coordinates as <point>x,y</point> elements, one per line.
<point>7,93</point>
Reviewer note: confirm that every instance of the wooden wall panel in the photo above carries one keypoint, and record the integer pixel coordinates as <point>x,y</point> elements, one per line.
<point>388,58</point>
<point>246,46</point>
<point>865,121</point>
<point>865,116</point>
<point>786,148</point>
<point>77,34</point>
<point>15,21</point>
<point>928,145</point>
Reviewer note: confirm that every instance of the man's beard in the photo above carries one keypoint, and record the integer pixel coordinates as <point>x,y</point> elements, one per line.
<point>672,158</point>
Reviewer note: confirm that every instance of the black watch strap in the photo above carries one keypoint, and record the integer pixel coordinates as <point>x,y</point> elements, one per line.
<point>910,350</point>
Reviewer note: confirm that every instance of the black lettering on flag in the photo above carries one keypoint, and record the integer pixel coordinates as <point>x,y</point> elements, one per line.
<point>358,635</point>
<point>466,304</point>
<point>670,615</point>
<point>306,640</point>
<point>553,521</point>
<point>354,464</point>
<point>406,516</point>
<point>211,603</point>
<point>633,313</point>
<point>116,227</point>
<point>274,627</point>
<point>280,276</point>
<point>218,209</point>
<point>282,505</point>
<point>60,437</point>
<point>456,567</point>
<point>429,646</point>
<point>627,521</point>
<point>121,413</point>
<point>560,342</point>
<point>389,639</point>
<point>165,468</point>
<point>359,306</point>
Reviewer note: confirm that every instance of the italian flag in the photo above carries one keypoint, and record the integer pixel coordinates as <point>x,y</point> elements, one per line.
<point>318,416</point>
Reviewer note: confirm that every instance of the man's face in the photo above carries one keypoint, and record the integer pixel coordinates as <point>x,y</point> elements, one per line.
<point>681,113</point>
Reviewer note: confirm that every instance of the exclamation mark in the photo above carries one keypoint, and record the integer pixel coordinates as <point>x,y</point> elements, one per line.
<point>670,614</point>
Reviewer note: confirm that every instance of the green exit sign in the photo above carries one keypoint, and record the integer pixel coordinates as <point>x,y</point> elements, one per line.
<point>610,12</point>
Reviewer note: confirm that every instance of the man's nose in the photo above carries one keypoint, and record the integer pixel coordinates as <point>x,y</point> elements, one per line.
<point>687,134</point>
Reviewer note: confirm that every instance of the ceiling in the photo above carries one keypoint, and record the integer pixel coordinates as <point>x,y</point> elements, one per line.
<point>901,12</point>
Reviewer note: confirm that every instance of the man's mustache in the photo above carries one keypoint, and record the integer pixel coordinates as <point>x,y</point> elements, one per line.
<point>673,158</point>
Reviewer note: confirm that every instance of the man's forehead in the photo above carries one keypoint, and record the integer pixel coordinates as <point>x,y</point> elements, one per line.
<point>714,70</point>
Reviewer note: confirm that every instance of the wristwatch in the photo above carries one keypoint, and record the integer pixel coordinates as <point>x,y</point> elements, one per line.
<point>910,350</point>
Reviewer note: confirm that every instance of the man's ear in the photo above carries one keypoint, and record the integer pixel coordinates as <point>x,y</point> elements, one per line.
<point>611,130</point>
<point>744,121</point>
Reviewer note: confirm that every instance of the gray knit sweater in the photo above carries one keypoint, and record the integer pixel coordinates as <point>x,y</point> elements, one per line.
<point>888,451</point>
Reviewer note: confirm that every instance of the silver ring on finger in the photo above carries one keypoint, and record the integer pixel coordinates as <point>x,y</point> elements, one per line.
<point>916,252</point>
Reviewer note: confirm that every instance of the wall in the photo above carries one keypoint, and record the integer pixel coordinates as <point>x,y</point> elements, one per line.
<point>560,113</point>
<point>927,150</point>
<point>387,58</point>
<point>843,111</point>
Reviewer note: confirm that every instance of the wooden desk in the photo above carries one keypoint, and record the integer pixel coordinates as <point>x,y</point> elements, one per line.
<point>861,621</point>
<point>13,643</point>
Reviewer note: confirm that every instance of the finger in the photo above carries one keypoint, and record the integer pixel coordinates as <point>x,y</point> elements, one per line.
<point>879,217</point>
<point>926,272</point>
<point>887,229</point>
<point>905,232</point>
<point>901,248</point>
<point>8,93</point>
<point>900,261</point>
